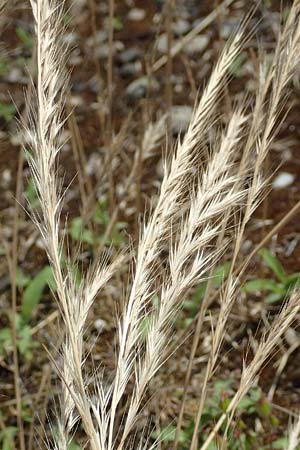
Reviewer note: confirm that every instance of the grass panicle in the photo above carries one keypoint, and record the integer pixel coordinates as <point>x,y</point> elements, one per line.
<point>207,196</point>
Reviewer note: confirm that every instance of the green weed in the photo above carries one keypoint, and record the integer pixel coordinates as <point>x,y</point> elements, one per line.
<point>278,288</point>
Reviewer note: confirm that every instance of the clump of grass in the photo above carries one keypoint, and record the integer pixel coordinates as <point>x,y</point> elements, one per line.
<point>206,199</point>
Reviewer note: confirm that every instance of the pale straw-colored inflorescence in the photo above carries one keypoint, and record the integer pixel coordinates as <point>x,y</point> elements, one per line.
<point>45,137</point>
<point>208,189</point>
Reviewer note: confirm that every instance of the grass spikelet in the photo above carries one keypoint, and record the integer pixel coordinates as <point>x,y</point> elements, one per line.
<point>265,348</point>
<point>205,202</point>
<point>294,436</point>
<point>74,302</point>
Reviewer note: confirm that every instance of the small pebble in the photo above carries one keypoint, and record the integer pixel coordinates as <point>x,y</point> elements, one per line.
<point>283,179</point>
<point>130,55</point>
<point>180,118</point>
<point>136,14</point>
<point>291,336</point>
<point>101,36</point>
<point>100,325</point>
<point>16,76</point>
<point>103,50</point>
<point>139,88</point>
<point>6,178</point>
<point>69,38</point>
<point>181,27</point>
<point>75,60</point>
<point>93,165</point>
<point>197,45</point>
<point>76,100</point>
<point>162,43</point>
<point>130,69</point>
<point>228,27</point>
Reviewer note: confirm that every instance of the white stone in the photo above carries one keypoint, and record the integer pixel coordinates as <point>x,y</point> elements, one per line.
<point>6,178</point>
<point>180,117</point>
<point>162,43</point>
<point>139,87</point>
<point>136,14</point>
<point>197,45</point>
<point>180,27</point>
<point>283,179</point>
<point>100,325</point>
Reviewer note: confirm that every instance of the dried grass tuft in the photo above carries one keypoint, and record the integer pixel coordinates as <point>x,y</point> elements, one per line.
<point>205,193</point>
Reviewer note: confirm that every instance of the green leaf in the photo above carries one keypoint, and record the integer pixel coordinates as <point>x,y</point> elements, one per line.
<point>249,402</point>
<point>235,68</point>
<point>273,263</point>
<point>7,437</point>
<point>26,413</point>
<point>199,293</point>
<point>225,403</point>
<point>145,326</point>
<point>255,394</point>
<point>78,233</point>
<point>25,341</point>
<point>264,409</point>
<point>74,446</point>
<point>25,37</point>
<point>292,280</point>
<point>221,386</point>
<point>117,23</point>
<point>31,194</point>
<point>280,443</point>
<point>22,280</point>
<point>186,322</point>
<point>34,291</point>
<point>77,276</point>
<point>245,404</point>
<point>67,19</point>
<point>168,433</point>
<point>4,67</point>
<point>261,284</point>
<point>274,421</point>
<point>245,441</point>
<point>101,215</point>
<point>213,446</point>
<point>6,342</point>
<point>7,111</point>
<point>115,238</point>
<point>274,298</point>
<point>220,274</point>
<point>192,304</point>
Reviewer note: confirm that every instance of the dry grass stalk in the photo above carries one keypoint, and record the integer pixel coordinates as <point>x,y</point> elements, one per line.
<point>294,436</point>
<point>286,58</point>
<point>189,260</point>
<point>158,226</point>
<point>265,348</point>
<point>176,48</point>
<point>74,302</point>
<point>189,229</point>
